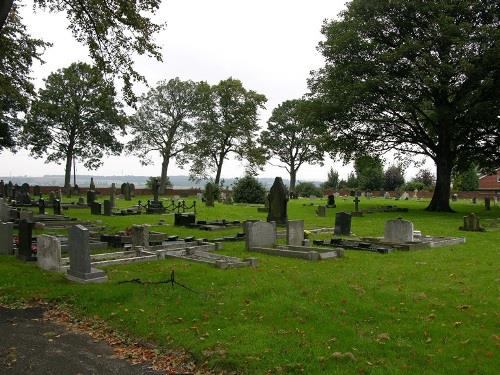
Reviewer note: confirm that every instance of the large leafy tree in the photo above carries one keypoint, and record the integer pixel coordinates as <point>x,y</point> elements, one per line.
<point>369,172</point>
<point>291,137</point>
<point>17,52</point>
<point>421,77</point>
<point>394,177</point>
<point>113,30</point>
<point>164,124</point>
<point>227,124</point>
<point>74,117</point>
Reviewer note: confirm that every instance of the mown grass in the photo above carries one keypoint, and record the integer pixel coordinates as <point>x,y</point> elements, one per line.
<point>424,312</point>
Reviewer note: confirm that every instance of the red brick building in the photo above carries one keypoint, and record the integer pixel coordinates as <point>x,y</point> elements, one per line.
<point>490,182</point>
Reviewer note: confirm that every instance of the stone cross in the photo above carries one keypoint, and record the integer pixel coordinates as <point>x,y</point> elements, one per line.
<point>155,185</point>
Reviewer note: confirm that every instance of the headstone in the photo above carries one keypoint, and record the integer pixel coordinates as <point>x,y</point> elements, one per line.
<point>2,188</point>
<point>342,223</point>
<point>487,203</point>
<point>48,255</point>
<point>209,194</point>
<point>405,196</point>
<point>25,248</point>
<point>155,186</point>
<point>81,201</point>
<point>108,211</point>
<point>6,233</point>
<point>387,195</point>
<point>41,206</point>
<point>398,230</point>
<point>321,211</point>
<point>92,185</point>
<point>56,205</point>
<point>96,208</point>
<point>471,223</point>
<point>140,235</point>
<point>90,197</point>
<point>454,197</point>
<point>128,192</point>
<point>415,194</point>
<point>278,201</point>
<point>112,195</point>
<point>52,196</point>
<point>259,234</point>
<point>331,201</point>
<point>181,219</point>
<point>295,232</point>
<point>474,200</point>
<point>80,269</point>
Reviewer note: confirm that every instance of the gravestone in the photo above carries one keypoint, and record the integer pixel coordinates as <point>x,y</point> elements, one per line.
<point>398,230</point>
<point>181,219</point>
<point>209,194</point>
<point>127,192</point>
<point>454,197</point>
<point>474,200</point>
<point>2,188</point>
<point>342,223</point>
<point>80,269</point>
<point>56,205</point>
<point>92,185</point>
<point>471,223</point>
<point>48,254</point>
<point>81,201</point>
<point>96,208</point>
<point>278,201</point>
<point>112,196</point>
<point>52,196</point>
<point>90,197</point>
<point>25,249</point>
<point>41,206</point>
<point>140,235</point>
<point>387,195</point>
<point>321,211</point>
<point>405,196</point>
<point>331,201</point>
<point>259,234</point>
<point>6,233</point>
<point>487,203</point>
<point>415,194</point>
<point>108,211</point>
<point>295,232</point>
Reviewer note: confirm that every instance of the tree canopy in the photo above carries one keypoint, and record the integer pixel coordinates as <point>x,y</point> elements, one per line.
<point>291,137</point>
<point>420,77</point>
<point>75,116</point>
<point>227,124</point>
<point>163,123</point>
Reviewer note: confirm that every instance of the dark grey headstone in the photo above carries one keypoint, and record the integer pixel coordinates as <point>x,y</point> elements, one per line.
<point>90,197</point>
<point>6,233</point>
<point>209,194</point>
<point>278,201</point>
<point>487,203</point>
<point>80,268</point>
<point>56,205</point>
<point>96,208</point>
<point>342,223</point>
<point>25,250</point>
<point>107,208</point>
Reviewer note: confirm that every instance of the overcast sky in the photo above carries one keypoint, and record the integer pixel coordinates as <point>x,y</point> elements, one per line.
<point>269,45</point>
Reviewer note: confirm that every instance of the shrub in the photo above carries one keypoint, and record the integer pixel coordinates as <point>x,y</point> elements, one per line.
<point>305,189</point>
<point>248,190</point>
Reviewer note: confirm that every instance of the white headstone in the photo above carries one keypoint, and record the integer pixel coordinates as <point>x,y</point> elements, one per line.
<point>48,254</point>
<point>260,234</point>
<point>398,231</point>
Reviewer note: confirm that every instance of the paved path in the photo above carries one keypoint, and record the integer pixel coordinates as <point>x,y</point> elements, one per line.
<point>29,345</point>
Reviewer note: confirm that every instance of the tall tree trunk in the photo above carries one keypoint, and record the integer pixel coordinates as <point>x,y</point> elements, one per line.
<point>67,174</point>
<point>163,177</point>
<point>5,7</point>
<point>441,198</point>
<point>219,169</point>
<point>293,179</point>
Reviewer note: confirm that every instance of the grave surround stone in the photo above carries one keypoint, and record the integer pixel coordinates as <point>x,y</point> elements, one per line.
<point>6,234</point>
<point>48,253</point>
<point>398,230</point>
<point>295,232</point>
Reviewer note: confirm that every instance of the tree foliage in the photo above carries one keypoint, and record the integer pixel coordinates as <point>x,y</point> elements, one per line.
<point>332,180</point>
<point>150,180</point>
<point>291,137</point>
<point>426,177</point>
<point>248,190</point>
<point>468,180</point>
<point>394,177</point>
<point>306,189</point>
<point>17,52</point>
<point>227,124</point>
<point>163,123</point>
<point>420,77</point>
<point>369,172</point>
<point>75,116</point>
<point>113,31</point>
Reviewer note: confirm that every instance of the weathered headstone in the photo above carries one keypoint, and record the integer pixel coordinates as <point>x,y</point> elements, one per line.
<point>112,195</point>
<point>209,194</point>
<point>398,230</point>
<point>48,255</point>
<point>487,203</point>
<point>405,196</point>
<point>26,215</point>
<point>96,208</point>
<point>128,192</point>
<point>52,196</point>
<point>342,223</point>
<point>81,201</point>
<point>278,201</point>
<point>108,211</point>
<point>56,205</point>
<point>454,197</point>
<point>331,201</point>
<point>2,188</point>
<point>295,232</point>
<point>321,211</point>
<point>25,248</point>
<point>140,235</point>
<point>90,197</point>
<point>387,195</point>
<point>41,206</point>
<point>80,269</point>
<point>471,223</point>
<point>6,233</point>
<point>259,234</point>
<point>415,194</point>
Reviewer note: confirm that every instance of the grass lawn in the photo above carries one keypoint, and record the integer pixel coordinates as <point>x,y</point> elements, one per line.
<point>432,311</point>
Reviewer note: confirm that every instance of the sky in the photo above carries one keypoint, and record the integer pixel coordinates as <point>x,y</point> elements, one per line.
<point>269,45</point>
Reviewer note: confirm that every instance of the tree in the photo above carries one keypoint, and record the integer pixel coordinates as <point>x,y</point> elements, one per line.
<point>74,117</point>
<point>150,180</point>
<point>248,190</point>
<point>468,180</point>
<point>16,56</point>
<point>332,181</point>
<point>420,77</point>
<point>113,30</point>
<point>164,124</point>
<point>291,138</point>
<point>426,177</point>
<point>394,177</point>
<point>352,181</point>
<point>306,189</point>
<point>369,172</point>
<point>227,124</point>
